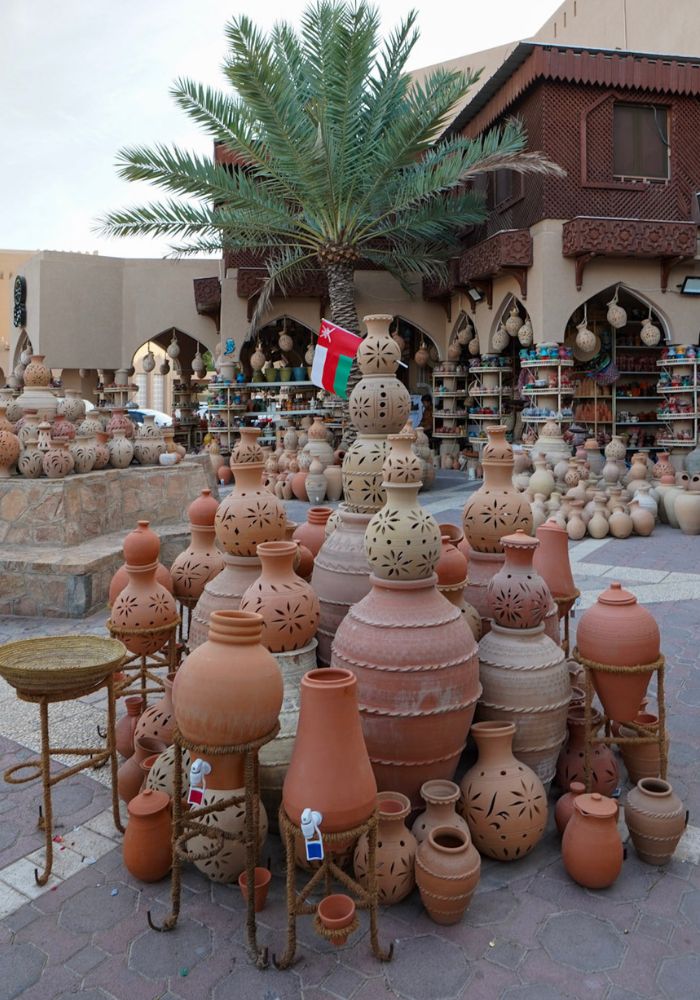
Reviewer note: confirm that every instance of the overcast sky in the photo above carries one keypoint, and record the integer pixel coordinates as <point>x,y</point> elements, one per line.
<point>81,78</point>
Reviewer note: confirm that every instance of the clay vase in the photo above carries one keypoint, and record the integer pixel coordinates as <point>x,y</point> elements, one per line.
<point>144,603</point>
<point>593,457</point>
<point>656,819</point>
<point>130,774</point>
<point>315,482</point>
<point>576,526</point>
<point>542,480</point>
<point>448,868</point>
<point>482,567</point>
<point>158,721</point>
<point>312,533</point>
<point>620,523</point>
<point>591,847</point>
<point>62,429</point>
<point>570,765</point>
<point>417,695</point>
<point>37,373</point>
<point>663,466</point>
<point>84,454</point>
<point>334,482</point>
<point>288,605</point>
<point>518,596</point>
<point>615,449</point>
<point>598,526</point>
<point>551,561</point>
<point>57,461</point>
<point>247,450</point>
<point>618,631</point>
<point>126,726</point>
<point>565,805</point>
<point>261,885</point>
<point>26,428</point>
<point>503,801</point>
<point>121,450</point>
<point>496,509</point>
<point>642,520</point>
<point>298,485</point>
<point>201,561</point>
<point>402,465</point>
<point>330,770</point>
<point>671,496</point>
<point>395,854</point>
<point>402,540</point>
<point>161,774</point>
<point>101,444</point>
<point>249,514</point>
<point>687,508</point>
<point>141,546</point>
<point>340,576</point>
<point>362,473</point>
<point>9,453</point>
<point>222,593</point>
<point>147,850</point>
<point>441,798</point>
<point>642,760</point>
<point>30,463</point>
<point>611,471</point>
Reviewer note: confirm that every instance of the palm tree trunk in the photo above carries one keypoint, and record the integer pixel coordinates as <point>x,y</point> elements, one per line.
<point>341,292</point>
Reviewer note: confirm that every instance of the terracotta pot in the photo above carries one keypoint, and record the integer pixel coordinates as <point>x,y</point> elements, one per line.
<point>448,868</point>
<point>417,696</point>
<point>298,485</point>
<point>143,603</point>
<point>147,848</point>
<point>618,631</point>
<point>496,509</point>
<point>402,465</point>
<point>126,726</point>
<point>101,450</point>
<point>687,508</point>
<point>36,372</point>
<point>542,480</point>
<point>130,774</point>
<point>642,760</point>
<point>379,404</point>
<point>222,593</point>
<point>261,884</point>
<point>570,767</point>
<point>620,523</point>
<point>616,448</point>
<point>591,847</point>
<point>482,567</point>
<point>336,913</point>
<point>201,561</point>
<point>330,770</point>
<point>334,482</point>
<point>396,850</point>
<point>229,690</point>
<point>503,800</point>
<point>455,534</point>
<point>62,429</point>
<point>250,514</point>
<point>576,526</point>
<point>25,429</point>
<point>362,473</point>
<point>402,540</point>
<point>9,453</point>
<point>120,422</point>
<point>451,567</point>
<point>288,605</point>
<point>57,461</point>
<point>642,520</point>
<point>247,450</point>
<point>663,466</point>
<point>565,805</point>
<point>158,720</point>
<point>518,597</point>
<point>340,576</point>
<point>121,450</point>
<point>656,819</point>
<point>312,533</point>
<point>226,864</point>
<point>162,771</point>
<point>440,799</point>
<point>141,547</point>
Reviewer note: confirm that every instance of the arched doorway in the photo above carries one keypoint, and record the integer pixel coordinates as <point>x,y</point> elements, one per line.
<point>275,346</point>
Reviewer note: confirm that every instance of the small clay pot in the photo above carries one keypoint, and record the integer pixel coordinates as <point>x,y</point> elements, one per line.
<point>147,841</point>
<point>570,765</point>
<point>448,868</point>
<point>591,847</point>
<point>125,728</point>
<point>261,886</point>
<point>441,798</point>
<point>336,913</point>
<point>565,805</point>
<point>656,819</point>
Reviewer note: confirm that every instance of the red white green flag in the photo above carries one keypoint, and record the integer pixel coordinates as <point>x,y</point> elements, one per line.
<point>333,356</point>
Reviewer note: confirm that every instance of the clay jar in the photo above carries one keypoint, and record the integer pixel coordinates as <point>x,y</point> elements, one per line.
<point>687,508</point>
<point>497,508</point>
<point>101,450</point>
<point>121,450</point>
<point>542,480</point>
<point>504,802</point>
<point>201,561</point>
<point>565,805</point>
<point>591,847</point>
<point>141,546</point>
<point>9,453</point>
<point>130,776</point>
<point>288,605</point>
<point>517,594</point>
<point>395,853</point>
<point>312,533</point>
<point>402,540</point>
<point>598,526</point>
<point>158,720</point>
<point>440,799</point>
<point>143,604</point>
<point>57,461</point>
<point>642,760</point>
<point>247,450</point>
<point>126,726</point>
<point>147,849</point>
<point>576,526</point>
<point>448,868</point>
<point>656,819</point>
<point>120,422</point>
<point>402,465</point>
<point>330,770</point>
<point>618,631</point>
<point>222,593</point>
<point>551,561</point>
<point>570,766</point>
<point>250,514</point>
<point>642,519</point>
<point>663,466</point>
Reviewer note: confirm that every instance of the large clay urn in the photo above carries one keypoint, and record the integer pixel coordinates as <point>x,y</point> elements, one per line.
<point>517,595</point>
<point>503,800</point>
<point>143,604</point>
<point>591,847</point>
<point>448,868</point>
<point>147,846</point>
<point>330,771</point>
<point>415,660</point>
<point>250,514</point>
<point>619,632</point>
<point>656,819</point>
<point>312,533</point>
<point>395,853</point>
<point>201,561</point>
<point>288,605</point>
<point>496,509</point>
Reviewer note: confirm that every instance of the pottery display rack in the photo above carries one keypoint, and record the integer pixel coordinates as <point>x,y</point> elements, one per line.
<point>677,390</point>
<point>187,399</point>
<point>114,397</point>
<point>458,392</point>
<point>138,670</point>
<point>549,391</point>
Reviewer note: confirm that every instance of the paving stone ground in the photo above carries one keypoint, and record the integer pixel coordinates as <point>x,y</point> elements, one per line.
<point>530,934</point>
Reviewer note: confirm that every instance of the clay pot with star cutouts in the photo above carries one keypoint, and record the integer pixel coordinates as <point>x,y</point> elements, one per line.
<point>288,605</point>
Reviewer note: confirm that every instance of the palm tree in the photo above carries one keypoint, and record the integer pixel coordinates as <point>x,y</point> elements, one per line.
<point>341,158</point>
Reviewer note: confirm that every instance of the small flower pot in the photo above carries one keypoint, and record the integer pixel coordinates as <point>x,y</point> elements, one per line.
<point>272,375</point>
<point>262,885</point>
<point>285,374</point>
<point>336,914</point>
<point>299,374</point>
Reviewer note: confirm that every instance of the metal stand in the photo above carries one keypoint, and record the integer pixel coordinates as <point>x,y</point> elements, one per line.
<point>41,766</point>
<point>138,669</point>
<point>325,873</point>
<point>564,606</point>
<point>187,824</point>
<point>645,734</point>
<point>186,606</point>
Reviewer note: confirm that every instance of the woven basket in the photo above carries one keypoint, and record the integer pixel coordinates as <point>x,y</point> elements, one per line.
<point>59,664</point>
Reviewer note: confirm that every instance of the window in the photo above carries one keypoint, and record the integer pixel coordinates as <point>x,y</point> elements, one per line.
<point>640,136</point>
<point>507,187</point>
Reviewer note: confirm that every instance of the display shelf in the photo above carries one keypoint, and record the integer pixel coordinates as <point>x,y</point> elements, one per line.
<point>548,363</point>
<point>490,369</point>
<point>639,423</point>
<point>674,362</point>
<point>487,392</point>
<point>670,443</point>
<point>448,395</point>
<point>688,389</point>
<point>491,386</point>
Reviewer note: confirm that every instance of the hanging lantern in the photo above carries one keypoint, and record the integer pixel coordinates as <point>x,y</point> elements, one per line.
<point>501,339</point>
<point>585,338</point>
<point>198,365</point>
<point>474,346</point>
<point>149,360</point>
<point>465,334</point>
<point>617,317</point>
<point>309,356</point>
<point>173,348</point>
<point>514,322</point>
<point>398,339</point>
<point>454,351</point>
<point>421,356</point>
<point>525,334</point>
<point>650,334</point>
<point>164,368</point>
<point>257,358</point>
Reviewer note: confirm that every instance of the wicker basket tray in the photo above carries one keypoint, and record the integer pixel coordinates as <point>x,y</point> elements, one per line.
<point>59,664</point>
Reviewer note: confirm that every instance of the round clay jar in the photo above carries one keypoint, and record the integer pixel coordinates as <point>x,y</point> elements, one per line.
<point>591,847</point>
<point>395,853</point>
<point>656,819</point>
<point>448,867</point>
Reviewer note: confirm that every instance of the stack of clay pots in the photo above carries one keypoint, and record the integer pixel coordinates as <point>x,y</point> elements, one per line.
<point>201,561</point>
<point>411,650</point>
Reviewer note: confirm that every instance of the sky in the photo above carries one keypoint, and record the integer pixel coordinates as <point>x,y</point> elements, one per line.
<point>80,79</point>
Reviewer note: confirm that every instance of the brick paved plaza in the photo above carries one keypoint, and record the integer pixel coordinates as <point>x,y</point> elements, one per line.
<point>530,934</point>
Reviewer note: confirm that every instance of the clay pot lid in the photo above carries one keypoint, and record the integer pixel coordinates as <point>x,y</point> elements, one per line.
<point>141,546</point>
<point>616,594</point>
<point>148,802</point>
<point>202,511</point>
<point>520,540</point>
<point>597,805</point>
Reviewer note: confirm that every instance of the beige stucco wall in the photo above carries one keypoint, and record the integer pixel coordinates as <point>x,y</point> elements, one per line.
<point>11,262</point>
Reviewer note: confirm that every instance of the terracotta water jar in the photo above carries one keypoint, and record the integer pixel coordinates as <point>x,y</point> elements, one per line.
<point>226,864</point>
<point>482,567</point>
<point>591,847</point>
<point>402,540</point>
<point>147,848</point>
<point>542,480</point>
<point>141,545</point>
<point>598,526</point>
<point>503,800</point>
<point>656,819</point>
<point>663,466</point>
<point>120,422</point>
<point>448,868</point>
<point>26,428</point>
<point>62,429</point>
<point>330,770</point>
<point>396,850</point>
<point>288,605</point>
<point>201,561</point>
<point>618,631</point>
<point>247,450</point>
<point>30,463</point>
<point>9,453</point>
<point>642,519</point>
<point>620,522</point>
<point>261,885</point>
<point>333,475</point>
<point>143,603</point>
<point>642,760</point>
<point>312,533</point>
<point>496,509</point>
<point>126,726</point>
<point>551,561</point>
<point>565,805</point>
<point>130,775</point>
<point>57,461</point>
<point>161,774</point>
<point>249,514</point>
<point>340,576</point>
<point>222,593</point>
<point>417,695</point>
<point>576,526</point>
<point>605,776</point>
<point>451,572</point>
<point>158,721</point>
<point>441,798</point>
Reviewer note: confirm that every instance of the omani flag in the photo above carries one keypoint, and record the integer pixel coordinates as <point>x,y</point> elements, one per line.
<point>333,358</point>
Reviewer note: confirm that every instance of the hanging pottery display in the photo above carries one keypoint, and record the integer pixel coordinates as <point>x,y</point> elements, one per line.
<point>525,334</point>
<point>395,853</point>
<point>656,819</point>
<point>421,357</point>
<point>473,347</point>
<point>173,348</point>
<point>250,514</point>
<point>287,604</point>
<point>496,509</point>
<point>500,340</point>
<point>591,847</point>
<point>650,334</point>
<point>257,358</point>
<point>616,316</point>
<point>448,868</point>
<point>148,362</point>
<point>514,322</point>
<point>284,341</point>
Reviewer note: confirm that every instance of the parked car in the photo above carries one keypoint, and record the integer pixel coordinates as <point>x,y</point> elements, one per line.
<point>162,419</point>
